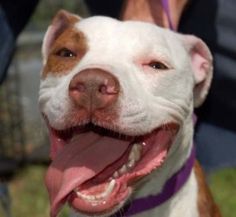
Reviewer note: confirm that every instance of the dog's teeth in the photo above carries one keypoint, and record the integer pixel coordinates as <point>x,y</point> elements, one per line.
<point>134,156</point>
<point>110,187</point>
<point>108,190</point>
<point>138,149</point>
<point>84,196</point>
<point>135,152</point>
<point>131,155</point>
<point>123,169</point>
<point>100,196</point>
<point>139,146</point>
<point>131,163</point>
<point>115,174</point>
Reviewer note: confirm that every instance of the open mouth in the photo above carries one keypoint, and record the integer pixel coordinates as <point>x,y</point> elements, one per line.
<point>95,169</point>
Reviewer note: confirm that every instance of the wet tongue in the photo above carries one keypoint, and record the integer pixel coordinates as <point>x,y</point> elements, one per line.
<point>83,158</point>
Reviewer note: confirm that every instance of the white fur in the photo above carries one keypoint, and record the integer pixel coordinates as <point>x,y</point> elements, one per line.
<point>149,97</point>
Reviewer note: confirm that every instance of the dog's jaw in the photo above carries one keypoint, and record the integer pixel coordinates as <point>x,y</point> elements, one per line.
<point>112,182</point>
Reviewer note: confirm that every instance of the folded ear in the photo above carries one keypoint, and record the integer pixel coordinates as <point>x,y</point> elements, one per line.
<point>60,23</point>
<point>201,59</point>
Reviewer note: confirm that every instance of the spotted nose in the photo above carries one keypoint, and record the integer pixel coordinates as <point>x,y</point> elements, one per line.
<point>94,89</point>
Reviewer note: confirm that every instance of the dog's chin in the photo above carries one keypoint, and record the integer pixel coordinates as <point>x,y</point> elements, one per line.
<point>115,209</point>
<point>110,186</point>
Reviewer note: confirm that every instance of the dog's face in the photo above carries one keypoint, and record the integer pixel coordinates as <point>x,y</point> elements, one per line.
<point>116,96</point>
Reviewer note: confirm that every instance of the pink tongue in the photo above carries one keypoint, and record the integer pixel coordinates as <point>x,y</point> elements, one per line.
<point>80,160</point>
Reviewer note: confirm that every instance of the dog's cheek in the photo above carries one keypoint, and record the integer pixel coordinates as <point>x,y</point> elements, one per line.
<point>132,116</point>
<point>54,102</point>
<point>141,110</point>
<point>171,93</point>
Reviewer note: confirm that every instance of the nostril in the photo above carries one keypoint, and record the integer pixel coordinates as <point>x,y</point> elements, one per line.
<point>103,89</point>
<point>79,87</point>
<point>107,89</point>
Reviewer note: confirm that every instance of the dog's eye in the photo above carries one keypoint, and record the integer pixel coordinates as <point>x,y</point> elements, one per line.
<point>158,65</point>
<point>64,52</point>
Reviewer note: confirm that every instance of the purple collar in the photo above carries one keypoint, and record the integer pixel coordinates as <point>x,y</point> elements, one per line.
<point>166,8</point>
<point>171,187</point>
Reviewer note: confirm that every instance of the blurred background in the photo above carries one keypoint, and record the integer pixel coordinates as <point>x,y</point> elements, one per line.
<point>24,144</point>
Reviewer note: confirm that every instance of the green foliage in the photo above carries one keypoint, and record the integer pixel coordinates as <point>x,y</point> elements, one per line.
<point>29,196</point>
<point>223,186</point>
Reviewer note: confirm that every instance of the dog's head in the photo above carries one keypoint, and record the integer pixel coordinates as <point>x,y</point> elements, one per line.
<point>117,98</point>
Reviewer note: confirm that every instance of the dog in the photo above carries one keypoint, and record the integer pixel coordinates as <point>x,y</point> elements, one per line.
<point>118,100</point>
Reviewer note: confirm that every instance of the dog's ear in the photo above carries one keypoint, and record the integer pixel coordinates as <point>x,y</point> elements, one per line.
<point>60,23</point>
<point>201,59</point>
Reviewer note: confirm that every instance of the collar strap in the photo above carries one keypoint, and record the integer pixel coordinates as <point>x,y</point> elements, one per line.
<point>166,8</point>
<point>171,187</point>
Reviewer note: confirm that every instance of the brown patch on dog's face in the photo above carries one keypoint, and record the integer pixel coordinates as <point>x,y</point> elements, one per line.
<point>66,16</point>
<point>67,50</point>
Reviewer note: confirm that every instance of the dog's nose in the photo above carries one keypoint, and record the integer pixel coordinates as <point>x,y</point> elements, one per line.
<point>94,89</point>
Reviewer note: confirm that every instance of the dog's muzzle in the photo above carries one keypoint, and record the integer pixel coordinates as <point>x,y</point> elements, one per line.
<point>94,89</point>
